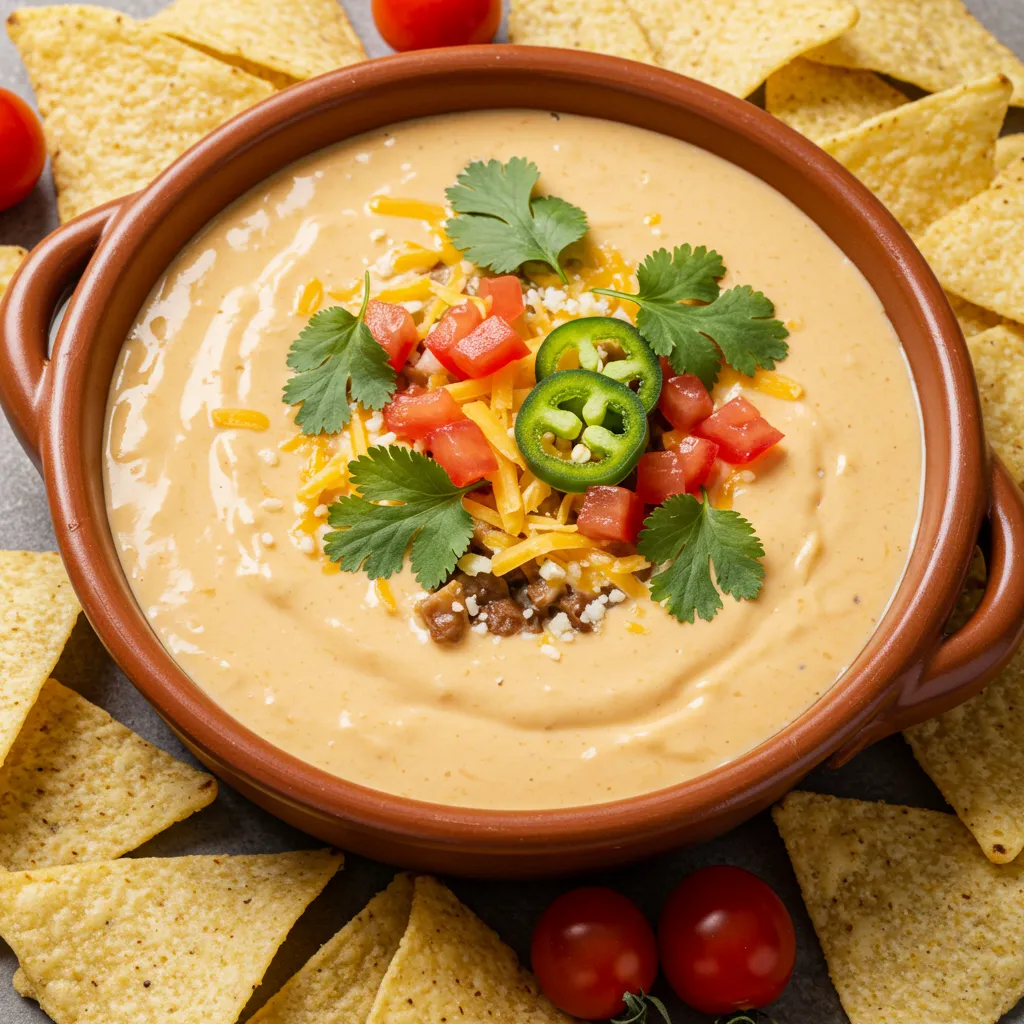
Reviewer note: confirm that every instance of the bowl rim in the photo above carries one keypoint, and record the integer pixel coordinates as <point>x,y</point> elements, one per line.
<point>863,690</point>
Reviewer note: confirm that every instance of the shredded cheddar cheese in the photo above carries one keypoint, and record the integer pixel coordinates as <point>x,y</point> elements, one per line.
<point>415,291</point>
<point>246,419</point>
<point>768,382</point>
<point>311,297</point>
<point>495,432</point>
<point>513,557</point>
<point>415,257</point>
<point>385,596</point>
<point>507,495</point>
<point>564,508</point>
<point>413,209</point>
<point>357,433</point>
<point>482,512</point>
<point>332,477</point>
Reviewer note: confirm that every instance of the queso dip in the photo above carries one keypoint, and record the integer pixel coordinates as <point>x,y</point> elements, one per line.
<point>217,501</point>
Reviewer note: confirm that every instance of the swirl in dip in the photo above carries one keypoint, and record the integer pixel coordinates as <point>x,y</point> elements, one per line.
<point>220,533</point>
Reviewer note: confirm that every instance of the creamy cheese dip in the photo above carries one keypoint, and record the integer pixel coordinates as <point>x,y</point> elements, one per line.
<point>316,664</point>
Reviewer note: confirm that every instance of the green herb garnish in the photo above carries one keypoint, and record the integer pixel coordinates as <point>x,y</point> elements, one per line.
<point>637,1007</point>
<point>737,325</point>
<point>336,355</point>
<point>691,536</point>
<point>499,225</point>
<point>375,537</point>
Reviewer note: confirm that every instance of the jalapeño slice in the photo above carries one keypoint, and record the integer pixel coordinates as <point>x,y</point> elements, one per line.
<point>604,420</point>
<point>627,358</point>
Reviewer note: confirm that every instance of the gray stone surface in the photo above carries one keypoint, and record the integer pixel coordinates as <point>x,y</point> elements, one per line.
<point>232,825</point>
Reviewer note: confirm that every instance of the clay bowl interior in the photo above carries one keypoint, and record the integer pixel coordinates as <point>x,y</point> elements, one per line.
<point>147,234</point>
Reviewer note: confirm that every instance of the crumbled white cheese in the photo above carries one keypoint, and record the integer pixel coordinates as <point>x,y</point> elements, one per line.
<point>428,363</point>
<point>389,438</point>
<point>472,564</point>
<point>528,613</point>
<point>552,652</point>
<point>482,617</point>
<point>616,597</point>
<point>385,265</point>
<point>551,571</point>
<point>412,305</point>
<point>621,314</point>
<point>593,305</point>
<point>378,235</point>
<point>472,606</point>
<point>306,545</point>
<point>480,628</point>
<point>603,598</point>
<point>320,511</point>
<point>574,571</point>
<point>458,606</point>
<point>593,613</point>
<point>375,422</point>
<point>560,626</point>
<point>580,454</point>
<point>267,540</point>
<point>298,508</point>
<point>271,504</point>
<point>269,456</point>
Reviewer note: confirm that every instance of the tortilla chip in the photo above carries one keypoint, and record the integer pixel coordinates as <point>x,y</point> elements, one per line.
<point>135,941</point>
<point>338,985</point>
<point>119,101</point>
<point>451,967</point>
<point>282,42</point>
<point>78,786</point>
<point>10,259</point>
<point>998,356</point>
<point>737,45</point>
<point>975,755</point>
<point>977,250</point>
<point>602,26</point>
<point>973,319</point>
<point>38,610</point>
<point>1008,149</point>
<point>915,923</point>
<point>819,101</point>
<point>935,44</point>
<point>22,985</point>
<point>1012,173</point>
<point>926,158</point>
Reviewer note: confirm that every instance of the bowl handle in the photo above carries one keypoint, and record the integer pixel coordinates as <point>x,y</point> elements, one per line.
<point>26,316</point>
<point>967,660</point>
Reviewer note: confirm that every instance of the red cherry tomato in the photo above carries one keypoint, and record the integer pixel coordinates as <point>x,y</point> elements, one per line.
<point>611,513</point>
<point>454,326</point>
<point>589,947</point>
<point>463,451</point>
<point>685,401</point>
<point>506,295</point>
<point>393,328</point>
<point>740,431</point>
<point>22,149</point>
<point>683,469</point>
<point>726,941</point>
<point>487,348</point>
<point>414,413</point>
<point>420,24</point>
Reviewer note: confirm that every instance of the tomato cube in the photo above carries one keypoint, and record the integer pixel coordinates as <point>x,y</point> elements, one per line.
<point>611,513</point>
<point>463,451</point>
<point>684,401</point>
<point>488,348</point>
<point>415,412</point>
<point>392,326</point>
<point>681,470</point>
<point>453,327</point>
<point>506,295</point>
<point>740,431</point>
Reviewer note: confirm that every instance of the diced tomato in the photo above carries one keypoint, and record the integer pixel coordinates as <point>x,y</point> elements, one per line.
<point>682,470</point>
<point>463,451</point>
<point>684,401</point>
<point>415,412</point>
<point>453,327</point>
<point>740,431</point>
<point>392,326</point>
<point>506,294</point>
<point>488,348</point>
<point>611,513</point>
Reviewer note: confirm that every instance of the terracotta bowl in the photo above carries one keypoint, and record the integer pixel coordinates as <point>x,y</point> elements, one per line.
<point>907,672</point>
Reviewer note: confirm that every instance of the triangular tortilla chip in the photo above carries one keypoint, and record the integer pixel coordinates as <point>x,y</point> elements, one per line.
<point>737,44</point>
<point>926,158</point>
<point>973,319</point>
<point>131,941</point>
<point>338,984</point>
<point>998,356</point>
<point>451,967</point>
<point>1009,149</point>
<point>975,755</point>
<point>604,26</point>
<point>977,250</point>
<point>78,786</point>
<point>119,101</point>
<point>10,259</point>
<point>819,101</point>
<point>38,610</point>
<point>282,41</point>
<point>915,923</point>
<point>935,44</point>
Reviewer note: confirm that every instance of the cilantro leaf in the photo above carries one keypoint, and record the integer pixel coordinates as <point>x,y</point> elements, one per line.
<point>375,537</point>
<point>499,225</point>
<point>736,325</point>
<point>334,355</point>
<point>692,537</point>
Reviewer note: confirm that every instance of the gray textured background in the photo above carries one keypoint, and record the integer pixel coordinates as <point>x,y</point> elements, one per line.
<point>232,825</point>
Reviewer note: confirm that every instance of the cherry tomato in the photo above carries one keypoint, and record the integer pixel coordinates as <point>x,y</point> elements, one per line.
<point>414,413</point>
<point>726,941</point>
<point>22,149</point>
<point>463,452</point>
<point>421,24</point>
<point>611,513</point>
<point>685,401</point>
<point>506,295</point>
<point>454,326</point>
<point>393,328</point>
<point>589,947</point>
<point>487,348</point>
<point>740,431</point>
<point>682,469</point>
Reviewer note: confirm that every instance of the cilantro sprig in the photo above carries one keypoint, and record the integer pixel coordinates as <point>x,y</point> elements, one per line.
<point>737,325</point>
<point>335,356</point>
<point>501,225</point>
<point>374,537</point>
<point>690,537</point>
